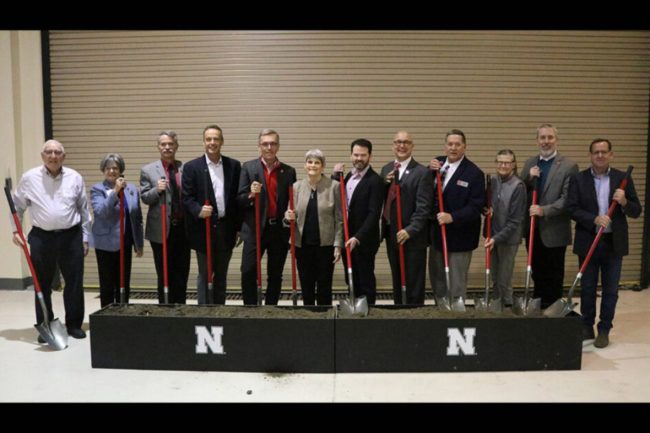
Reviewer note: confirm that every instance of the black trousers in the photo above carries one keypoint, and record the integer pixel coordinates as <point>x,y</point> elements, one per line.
<point>275,245</point>
<point>415,260</point>
<point>363,273</point>
<point>315,269</point>
<point>108,265</point>
<point>178,265</point>
<point>547,271</point>
<point>65,248</point>
<point>221,255</point>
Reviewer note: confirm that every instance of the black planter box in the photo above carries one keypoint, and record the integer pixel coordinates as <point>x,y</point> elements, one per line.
<point>207,342</point>
<point>192,337</point>
<point>490,343</point>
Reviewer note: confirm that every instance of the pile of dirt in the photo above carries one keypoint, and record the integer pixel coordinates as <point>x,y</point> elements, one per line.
<point>428,312</point>
<point>222,311</point>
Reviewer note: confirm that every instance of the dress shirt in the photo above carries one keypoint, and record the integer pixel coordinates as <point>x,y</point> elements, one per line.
<point>217,178</point>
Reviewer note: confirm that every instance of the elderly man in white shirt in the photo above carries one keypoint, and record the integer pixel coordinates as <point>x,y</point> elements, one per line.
<point>56,198</point>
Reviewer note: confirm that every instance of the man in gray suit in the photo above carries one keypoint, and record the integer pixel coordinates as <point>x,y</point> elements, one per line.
<point>550,173</point>
<point>164,175</point>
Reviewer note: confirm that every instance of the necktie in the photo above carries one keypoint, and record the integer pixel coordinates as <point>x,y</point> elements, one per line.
<point>177,212</point>
<point>392,193</point>
<point>443,175</point>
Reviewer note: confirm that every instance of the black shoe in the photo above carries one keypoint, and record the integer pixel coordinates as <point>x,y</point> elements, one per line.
<point>41,339</point>
<point>602,340</point>
<point>76,333</point>
<point>588,333</point>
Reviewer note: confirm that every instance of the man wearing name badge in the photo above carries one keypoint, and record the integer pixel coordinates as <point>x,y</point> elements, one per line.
<point>220,175</point>
<point>58,207</point>
<point>365,196</point>
<point>164,175</point>
<point>550,173</point>
<point>416,190</point>
<point>270,178</point>
<point>463,199</point>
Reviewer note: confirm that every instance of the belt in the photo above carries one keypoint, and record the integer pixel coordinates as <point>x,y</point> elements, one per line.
<point>175,222</point>
<point>57,230</point>
<point>272,221</point>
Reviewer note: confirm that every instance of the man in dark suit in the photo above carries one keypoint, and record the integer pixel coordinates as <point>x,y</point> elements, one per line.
<point>271,178</point>
<point>164,175</point>
<point>215,178</point>
<point>549,172</point>
<point>365,196</point>
<point>463,199</point>
<point>416,189</point>
<point>590,193</point>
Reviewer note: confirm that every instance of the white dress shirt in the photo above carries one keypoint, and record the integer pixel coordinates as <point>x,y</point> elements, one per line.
<point>218,181</point>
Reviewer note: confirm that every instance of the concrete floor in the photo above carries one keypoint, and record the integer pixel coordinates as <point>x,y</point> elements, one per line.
<point>30,372</point>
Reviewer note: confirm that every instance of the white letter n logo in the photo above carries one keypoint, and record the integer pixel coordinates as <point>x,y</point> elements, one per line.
<point>211,339</point>
<point>464,342</point>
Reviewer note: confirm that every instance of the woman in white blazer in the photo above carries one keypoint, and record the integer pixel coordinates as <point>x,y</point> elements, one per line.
<point>319,229</point>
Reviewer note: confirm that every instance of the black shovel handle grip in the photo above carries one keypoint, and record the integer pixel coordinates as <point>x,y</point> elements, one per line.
<point>10,200</point>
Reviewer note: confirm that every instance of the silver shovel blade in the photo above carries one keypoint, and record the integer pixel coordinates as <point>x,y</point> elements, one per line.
<point>443,303</point>
<point>495,306</point>
<point>458,305</point>
<point>534,307</point>
<point>559,308</point>
<point>480,304</point>
<point>54,333</point>
<point>359,308</point>
<point>519,306</point>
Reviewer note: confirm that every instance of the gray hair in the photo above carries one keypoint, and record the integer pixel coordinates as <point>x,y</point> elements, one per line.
<point>547,125</point>
<point>112,157</point>
<point>171,134</point>
<point>48,142</point>
<point>511,153</point>
<point>315,154</point>
<point>269,131</point>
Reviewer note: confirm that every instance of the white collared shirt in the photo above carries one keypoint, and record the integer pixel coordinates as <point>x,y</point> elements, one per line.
<point>403,165</point>
<point>55,203</point>
<point>450,168</point>
<point>218,181</point>
<point>355,178</point>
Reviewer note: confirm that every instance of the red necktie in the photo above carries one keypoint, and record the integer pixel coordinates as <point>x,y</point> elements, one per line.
<point>392,193</point>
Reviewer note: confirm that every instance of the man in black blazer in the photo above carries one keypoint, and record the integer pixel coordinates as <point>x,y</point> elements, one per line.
<point>214,177</point>
<point>365,197</point>
<point>271,178</point>
<point>590,193</point>
<point>417,198</point>
<point>463,199</point>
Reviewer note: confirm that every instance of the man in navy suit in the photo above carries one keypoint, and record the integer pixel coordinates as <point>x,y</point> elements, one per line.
<point>417,198</point>
<point>463,199</point>
<point>271,178</point>
<point>590,193</point>
<point>215,178</point>
<point>365,196</point>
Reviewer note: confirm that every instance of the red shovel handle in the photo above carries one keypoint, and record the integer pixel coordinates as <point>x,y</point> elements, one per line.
<point>208,231</point>
<point>443,227</point>
<point>488,220</point>
<point>19,229</point>
<point>163,215</point>
<point>398,202</point>
<point>292,231</point>
<point>346,230</point>
<point>258,241</point>
<point>601,230</point>
<point>122,238</point>
<point>531,233</point>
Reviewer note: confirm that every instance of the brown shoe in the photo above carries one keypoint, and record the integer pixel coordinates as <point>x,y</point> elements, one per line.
<point>602,340</point>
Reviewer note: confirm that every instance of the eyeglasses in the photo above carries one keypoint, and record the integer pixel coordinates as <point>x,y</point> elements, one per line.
<point>56,152</point>
<point>405,142</point>
<point>269,143</point>
<point>504,162</point>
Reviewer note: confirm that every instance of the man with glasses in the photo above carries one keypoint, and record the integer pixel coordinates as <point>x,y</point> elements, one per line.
<point>58,208</point>
<point>416,190</point>
<point>463,199</point>
<point>508,211</point>
<point>549,172</point>
<point>156,178</point>
<point>270,178</point>
<point>590,193</point>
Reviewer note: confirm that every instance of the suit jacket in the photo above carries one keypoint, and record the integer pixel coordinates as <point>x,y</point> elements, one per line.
<point>105,231</point>
<point>364,210</point>
<point>555,225</point>
<point>464,199</point>
<point>582,204</point>
<point>196,177</point>
<point>254,170</point>
<point>330,214</point>
<point>416,190</point>
<point>149,176</point>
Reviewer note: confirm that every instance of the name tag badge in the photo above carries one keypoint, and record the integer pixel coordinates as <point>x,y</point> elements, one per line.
<point>462,183</point>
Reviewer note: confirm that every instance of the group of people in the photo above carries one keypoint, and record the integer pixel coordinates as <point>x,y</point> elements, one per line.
<point>214,197</point>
